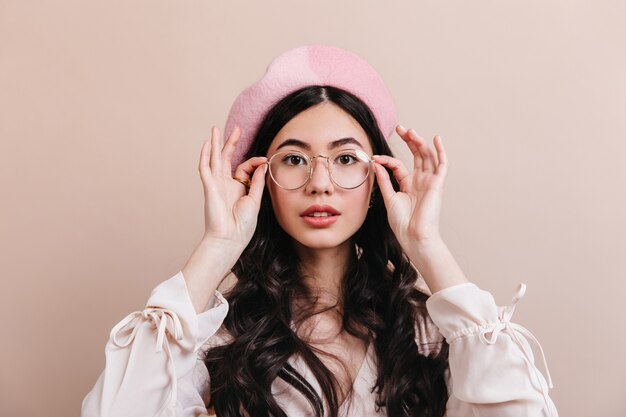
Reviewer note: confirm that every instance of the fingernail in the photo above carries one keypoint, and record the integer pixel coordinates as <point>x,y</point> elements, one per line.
<point>402,128</point>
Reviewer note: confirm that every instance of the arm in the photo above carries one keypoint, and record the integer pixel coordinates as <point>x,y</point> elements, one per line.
<point>151,354</point>
<point>151,357</point>
<point>491,362</point>
<point>492,367</point>
<point>230,215</point>
<point>413,210</point>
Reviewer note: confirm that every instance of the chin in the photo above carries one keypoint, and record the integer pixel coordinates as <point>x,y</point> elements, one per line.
<point>317,245</point>
<point>319,241</point>
<point>332,237</point>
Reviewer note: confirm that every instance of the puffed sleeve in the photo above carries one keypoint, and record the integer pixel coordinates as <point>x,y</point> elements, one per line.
<point>492,367</point>
<point>153,365</point>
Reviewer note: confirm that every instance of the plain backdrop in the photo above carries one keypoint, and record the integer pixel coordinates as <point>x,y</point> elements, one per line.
<point>104,106</point>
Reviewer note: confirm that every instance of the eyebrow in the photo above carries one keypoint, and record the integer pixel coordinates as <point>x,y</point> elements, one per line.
<point>332,145</point>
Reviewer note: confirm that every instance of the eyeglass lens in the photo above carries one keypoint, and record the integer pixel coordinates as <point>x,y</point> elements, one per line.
<point>348,168</point>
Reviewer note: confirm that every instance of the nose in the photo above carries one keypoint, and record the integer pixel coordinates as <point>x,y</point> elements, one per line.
<point>320,181</point>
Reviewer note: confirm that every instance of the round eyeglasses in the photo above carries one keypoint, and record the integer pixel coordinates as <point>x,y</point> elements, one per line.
<point>348,168</point>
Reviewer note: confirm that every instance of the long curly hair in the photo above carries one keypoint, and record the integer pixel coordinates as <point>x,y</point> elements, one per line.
<point>378,298</point>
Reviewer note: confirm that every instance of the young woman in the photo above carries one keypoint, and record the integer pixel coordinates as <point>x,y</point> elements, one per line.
<point>324,230</point>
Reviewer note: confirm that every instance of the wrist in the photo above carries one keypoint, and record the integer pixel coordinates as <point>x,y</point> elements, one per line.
<point>436,264</point>
<point>206,268</point>
<point>430,244</point>
<point>222,246</point>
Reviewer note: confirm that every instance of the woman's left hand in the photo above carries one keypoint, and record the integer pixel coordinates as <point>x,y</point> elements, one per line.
<point>413,212</point>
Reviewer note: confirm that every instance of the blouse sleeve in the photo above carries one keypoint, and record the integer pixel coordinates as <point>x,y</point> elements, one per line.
<point>152,357</point>
<point>492,367</point>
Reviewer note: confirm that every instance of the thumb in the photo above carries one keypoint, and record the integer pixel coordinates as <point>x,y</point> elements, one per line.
<point>384,182</point>
<point>257,183</point>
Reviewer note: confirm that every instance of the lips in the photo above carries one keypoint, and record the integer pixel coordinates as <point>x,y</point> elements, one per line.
<point>318,210</point>
<point>320,216</point>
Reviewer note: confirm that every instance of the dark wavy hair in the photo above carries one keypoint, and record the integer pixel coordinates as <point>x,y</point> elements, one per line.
<point>379,300</point>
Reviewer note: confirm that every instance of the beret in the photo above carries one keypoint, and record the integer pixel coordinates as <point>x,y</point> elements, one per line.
<point>304,66</point>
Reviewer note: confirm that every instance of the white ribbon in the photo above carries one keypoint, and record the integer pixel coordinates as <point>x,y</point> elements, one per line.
<point>163,319</point>
<point>516,331</point>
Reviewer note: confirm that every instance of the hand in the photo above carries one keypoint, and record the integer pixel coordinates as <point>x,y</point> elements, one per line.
<point>229,213</point>
<point>413,212</point>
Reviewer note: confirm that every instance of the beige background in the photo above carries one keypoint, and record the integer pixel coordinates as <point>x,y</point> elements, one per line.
<point>104,107</point>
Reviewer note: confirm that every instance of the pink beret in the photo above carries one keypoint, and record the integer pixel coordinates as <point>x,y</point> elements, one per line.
<point>301,67</point>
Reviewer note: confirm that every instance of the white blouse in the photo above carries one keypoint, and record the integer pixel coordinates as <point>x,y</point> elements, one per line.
<point>154,365</point>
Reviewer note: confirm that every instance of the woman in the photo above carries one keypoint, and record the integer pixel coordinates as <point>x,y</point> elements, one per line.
<point>320,224</point>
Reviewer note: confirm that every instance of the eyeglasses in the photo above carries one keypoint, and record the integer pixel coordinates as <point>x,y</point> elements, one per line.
<point>348,168</point>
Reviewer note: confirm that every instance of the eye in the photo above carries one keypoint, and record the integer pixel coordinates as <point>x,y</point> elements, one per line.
<point>293,159</point>
<point>346,158</point>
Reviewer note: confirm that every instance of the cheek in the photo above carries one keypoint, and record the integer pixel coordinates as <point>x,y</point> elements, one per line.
<point>364,198</point>
<point>280,202</point>
<point>361,199</point>
<point>368,188</point>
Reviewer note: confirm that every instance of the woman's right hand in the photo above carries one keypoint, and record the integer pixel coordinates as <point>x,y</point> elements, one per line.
<point>230,214</point>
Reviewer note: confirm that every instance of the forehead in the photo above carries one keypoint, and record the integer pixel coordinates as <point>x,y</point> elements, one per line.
<point>321,125</point>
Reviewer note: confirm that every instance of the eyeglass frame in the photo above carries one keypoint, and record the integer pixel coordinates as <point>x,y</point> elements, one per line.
<point>330,172</point>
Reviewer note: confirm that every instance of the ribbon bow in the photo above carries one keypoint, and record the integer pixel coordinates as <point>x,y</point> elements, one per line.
<point>163,319</point>
<point>516,331</point>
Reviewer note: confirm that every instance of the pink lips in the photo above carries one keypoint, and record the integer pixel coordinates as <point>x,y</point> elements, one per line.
<point>316,208</point>
<point>329,217</point>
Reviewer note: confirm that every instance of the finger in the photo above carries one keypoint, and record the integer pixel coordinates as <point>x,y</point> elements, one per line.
<point>384,182</point>
<point>414,144</point>
<point>424,150</point>
<point>432,156</point>
<point>400,172</point>
<point>216,149</point>
<point>205,153</point>
<point>247,167</point>
<point>442,167</point>
<point>230,146</point>
<point>257,184</point>
<point>401,130</point>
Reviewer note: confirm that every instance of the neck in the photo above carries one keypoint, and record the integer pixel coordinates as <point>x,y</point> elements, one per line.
<point>323,270</point>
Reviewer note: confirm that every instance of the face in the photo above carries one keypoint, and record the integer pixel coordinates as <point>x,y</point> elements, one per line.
<point>321,130</point>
